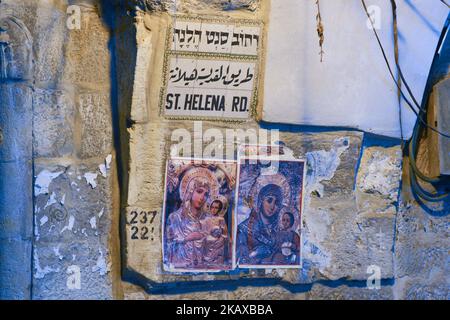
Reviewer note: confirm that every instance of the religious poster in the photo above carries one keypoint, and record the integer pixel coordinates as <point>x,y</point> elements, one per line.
<point>210,69</point>
<point>269,203</point>
<point>197,215</point>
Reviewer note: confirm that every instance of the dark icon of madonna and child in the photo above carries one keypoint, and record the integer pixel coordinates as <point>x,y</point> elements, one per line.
<point>197,215</point>
<point>269,207</point>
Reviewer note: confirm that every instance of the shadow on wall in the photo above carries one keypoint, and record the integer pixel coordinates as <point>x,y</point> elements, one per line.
<point>118,16</point>
<point>16,168</point>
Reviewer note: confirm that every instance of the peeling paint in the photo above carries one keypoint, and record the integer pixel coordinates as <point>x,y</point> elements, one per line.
<point>108,161</point>
<point>104,167</point>
<point>381,174</point>
<point>70,225</point>
<point>319,220</point>
<point>43,220</point>
<point>51,200</point>
<point>101,266</point>
<point>90,179</point>
<point>39,271</point>
<point>315,255</point>
<point>57,253</point>
<point>93,223</point>
<point>324,164</point>
<point>36,229</point>
<point>43,180</point>
<point>314,233</point>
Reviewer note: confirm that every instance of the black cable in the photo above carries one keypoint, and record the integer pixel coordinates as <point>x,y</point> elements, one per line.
<point>419,117</point>
<point>384,53</point>
<point>424,194</point>
<point>413,170</point>
<point>399,94</point>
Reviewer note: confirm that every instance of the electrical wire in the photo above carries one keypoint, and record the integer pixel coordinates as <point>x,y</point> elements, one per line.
<point>413,147</point>
<point>419,117</point>
<point>414,171</point>
<point>399,81</point>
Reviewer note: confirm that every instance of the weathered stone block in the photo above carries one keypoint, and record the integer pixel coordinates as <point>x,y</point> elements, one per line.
<point>24,10</point>
<point>88,64</point>
<point>264,293</point>
<point>15,49</point>
<point>363,234</point>
<point>54,116</point>
<point>50,36</point>
<point>71,270</point>
<point>132,292</point>
<point>72,202</point>
<point>344,292</point>
<point>15,269</point>
<point>427,290</point>
<point>422,243</point>
<point>16,200</point>
<point>416,260</point>
<point>94,110</point>
<point>73,208</point>
<point>379,177</point>
<point>15,121</point>
<point>432,287</point>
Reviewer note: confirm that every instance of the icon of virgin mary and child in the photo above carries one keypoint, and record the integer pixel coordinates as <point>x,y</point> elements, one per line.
<point>268,236</point>
<point>196,233</point>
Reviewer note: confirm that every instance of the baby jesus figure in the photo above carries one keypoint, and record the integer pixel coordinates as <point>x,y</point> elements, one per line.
<point>288,242</point>
<point>215,229</point>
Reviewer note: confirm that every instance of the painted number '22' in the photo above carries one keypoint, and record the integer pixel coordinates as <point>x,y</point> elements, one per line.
<point>142,218</point>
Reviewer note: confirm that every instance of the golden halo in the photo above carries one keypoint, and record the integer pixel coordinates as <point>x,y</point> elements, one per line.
<point>199,172</point>
<point>276,179</point>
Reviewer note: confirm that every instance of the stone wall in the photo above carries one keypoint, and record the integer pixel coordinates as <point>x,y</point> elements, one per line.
<point>353,202</point>
<point>351,199</point>
<point>83,143</point>
<point>58,135</point>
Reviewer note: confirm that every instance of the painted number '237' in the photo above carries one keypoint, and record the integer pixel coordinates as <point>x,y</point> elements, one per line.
<point>140,224</point>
